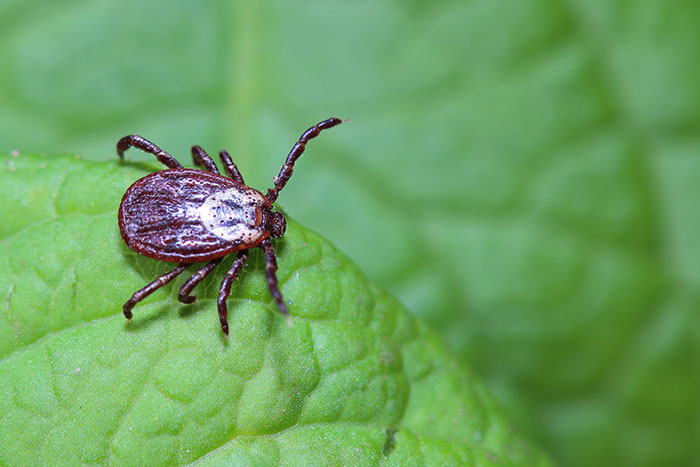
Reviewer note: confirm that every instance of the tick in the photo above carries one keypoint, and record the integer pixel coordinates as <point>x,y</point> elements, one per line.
<point>190,216</point>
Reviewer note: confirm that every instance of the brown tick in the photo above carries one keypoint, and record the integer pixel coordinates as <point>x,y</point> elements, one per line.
<point>190,216</point>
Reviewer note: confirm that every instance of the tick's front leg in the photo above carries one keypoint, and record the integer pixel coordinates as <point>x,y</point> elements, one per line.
<point>297,150</point>
<point>271,272</point>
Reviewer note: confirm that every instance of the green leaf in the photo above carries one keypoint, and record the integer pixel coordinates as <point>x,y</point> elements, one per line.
<point>521,174</point>
<point>349,379</point>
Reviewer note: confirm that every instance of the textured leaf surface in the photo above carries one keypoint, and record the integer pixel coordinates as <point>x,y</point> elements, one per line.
<point>523,174</point>
<point>351,379</point>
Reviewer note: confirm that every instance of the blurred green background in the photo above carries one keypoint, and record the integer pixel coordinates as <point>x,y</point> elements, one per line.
<point>523,175</point>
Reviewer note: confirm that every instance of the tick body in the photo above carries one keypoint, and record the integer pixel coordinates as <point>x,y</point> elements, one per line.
<point>190,216</point>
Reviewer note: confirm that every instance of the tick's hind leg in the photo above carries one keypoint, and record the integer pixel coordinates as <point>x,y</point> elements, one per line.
<point>231,168</point>
<point>150,288</point>
<point>225,289</point>
<point>145,145</point>
<point>200,157</point>
<point>184,294</point>
<point>270,270</point>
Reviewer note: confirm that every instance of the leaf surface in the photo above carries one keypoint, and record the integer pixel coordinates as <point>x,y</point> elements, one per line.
<point>350,379</point>
<point>522,175</point>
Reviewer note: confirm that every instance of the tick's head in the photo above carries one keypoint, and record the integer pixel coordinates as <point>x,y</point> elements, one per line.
<point>275,223</point>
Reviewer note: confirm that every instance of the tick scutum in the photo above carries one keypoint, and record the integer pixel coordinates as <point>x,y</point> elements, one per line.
<point>235,215</point>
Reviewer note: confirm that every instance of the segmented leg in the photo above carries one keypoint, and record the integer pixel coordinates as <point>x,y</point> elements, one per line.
<point>150,288</point>
<point>297,150</point>
<point>145,145</point>
<point>230,167</point>
<point>270,270</point>
<point>184,294</point>
<point>225,289</point>
<point>200,157</point>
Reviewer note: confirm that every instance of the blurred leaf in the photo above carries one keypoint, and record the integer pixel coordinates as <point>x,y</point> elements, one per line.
<point>350,379</point>
<point>520,174</point>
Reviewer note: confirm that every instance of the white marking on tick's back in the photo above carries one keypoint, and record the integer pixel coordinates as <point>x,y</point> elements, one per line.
<point>231,215</point>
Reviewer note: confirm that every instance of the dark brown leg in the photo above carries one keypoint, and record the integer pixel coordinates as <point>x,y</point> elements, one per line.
<point>145,145</point>
<point>150,288</point>
<point>200,157</point>
<point>184,294</point>
<point>270,270</point>
<point>230,167</point>
<point>297,150</point>
<point>225,289</point>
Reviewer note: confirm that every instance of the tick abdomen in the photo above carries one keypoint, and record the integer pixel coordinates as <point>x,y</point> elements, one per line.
<point>190,216</point>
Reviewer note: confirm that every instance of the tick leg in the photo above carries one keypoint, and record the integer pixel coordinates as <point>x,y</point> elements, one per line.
<point>145,145</point>
<point>230,167</point>
<point>270,270</point>
<point>200,157</point>
<point>184,294</point>
<point>297,150</point>
<point>150,288</point>
<point>225,289</point>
